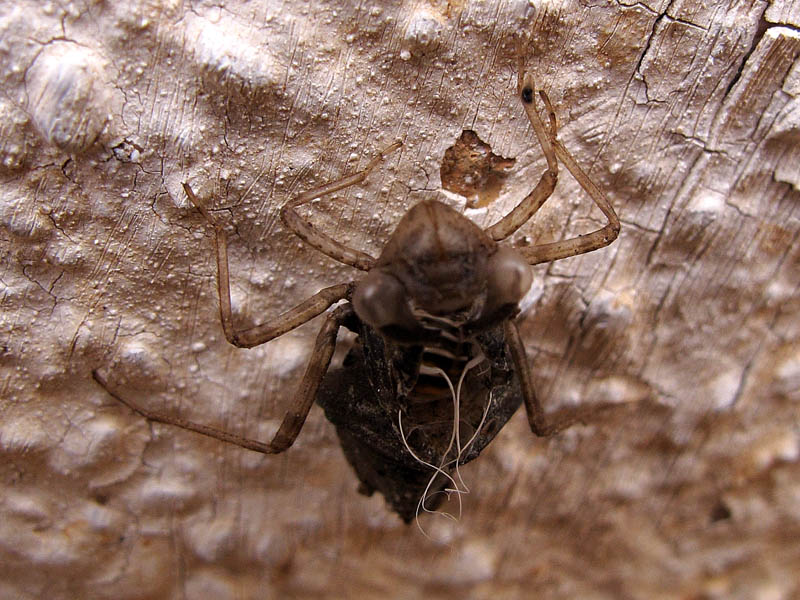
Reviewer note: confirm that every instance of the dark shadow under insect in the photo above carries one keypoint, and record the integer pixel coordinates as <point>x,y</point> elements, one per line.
<point>440,299</point>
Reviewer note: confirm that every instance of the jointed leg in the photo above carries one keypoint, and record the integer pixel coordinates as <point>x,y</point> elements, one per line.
<point>583,243</point>
<point>547,183</point>
<point>254,336</point>
<point>553,148</point>
<point>295,417</point>
<point>536,416</point>
<point>540,424</point>
<point>324,243</point>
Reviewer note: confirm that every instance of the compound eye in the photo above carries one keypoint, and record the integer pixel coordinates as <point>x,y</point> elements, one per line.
<point>380,301</point>
<point>510,277</point>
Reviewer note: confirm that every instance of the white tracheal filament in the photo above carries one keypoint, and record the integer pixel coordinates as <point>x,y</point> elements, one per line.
<point>458,486</point>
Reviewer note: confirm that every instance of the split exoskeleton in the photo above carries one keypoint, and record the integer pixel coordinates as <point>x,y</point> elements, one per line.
<point>442,296</point>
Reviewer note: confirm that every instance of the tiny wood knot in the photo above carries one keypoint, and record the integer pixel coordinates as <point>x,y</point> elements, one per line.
<point>527,95</point>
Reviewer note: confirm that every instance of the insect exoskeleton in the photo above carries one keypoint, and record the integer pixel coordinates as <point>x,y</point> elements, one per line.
<point>438,367</point>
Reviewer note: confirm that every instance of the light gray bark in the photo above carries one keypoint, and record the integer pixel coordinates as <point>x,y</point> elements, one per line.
<point>686,114</point>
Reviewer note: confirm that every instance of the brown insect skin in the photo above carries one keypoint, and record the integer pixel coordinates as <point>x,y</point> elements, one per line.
<point>440,298</point>
<point>439,256</point>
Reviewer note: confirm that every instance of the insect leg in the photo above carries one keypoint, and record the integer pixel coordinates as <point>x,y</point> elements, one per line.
<point>547,183</point>
<point>545,425</point>
<point>536,416</point>
<point>322,242</point>
<point>295,417</point>
<point>254,336</point>
<point>583,243</point>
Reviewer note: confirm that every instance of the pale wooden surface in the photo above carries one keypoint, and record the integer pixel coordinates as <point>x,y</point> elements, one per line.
<point>688,117</point>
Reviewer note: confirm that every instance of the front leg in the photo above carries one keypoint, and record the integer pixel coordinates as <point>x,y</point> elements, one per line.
<point>314,237</point>
<point>552,149</point>
<point>583,243</point>
<point>295,417</point>
<point>292,318</point>
<point>547,182</point>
